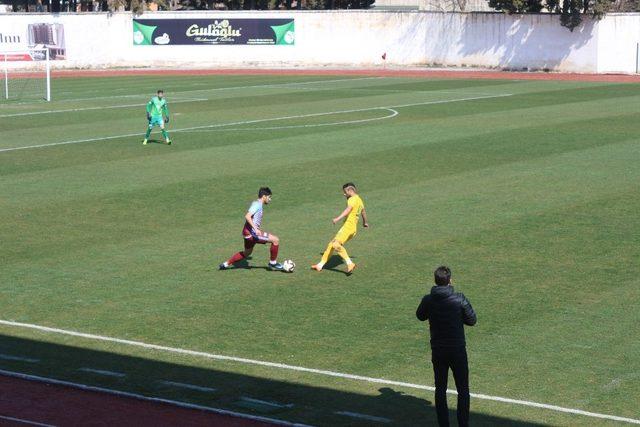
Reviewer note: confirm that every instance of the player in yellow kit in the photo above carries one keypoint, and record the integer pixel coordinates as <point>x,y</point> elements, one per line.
<point>355,208</point>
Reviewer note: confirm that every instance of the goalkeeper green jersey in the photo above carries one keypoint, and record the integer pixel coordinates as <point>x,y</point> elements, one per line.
<point>157,107</point>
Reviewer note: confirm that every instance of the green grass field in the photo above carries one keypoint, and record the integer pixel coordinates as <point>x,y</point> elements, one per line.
<point>528,190</point>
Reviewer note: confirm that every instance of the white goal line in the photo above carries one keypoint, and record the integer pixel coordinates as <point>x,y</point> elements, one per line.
<point>361,378</point>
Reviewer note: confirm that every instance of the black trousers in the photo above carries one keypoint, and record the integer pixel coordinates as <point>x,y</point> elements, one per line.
<point>455,358</point>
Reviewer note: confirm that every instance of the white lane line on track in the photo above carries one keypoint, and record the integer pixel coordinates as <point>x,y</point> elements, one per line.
<point>266,402</point>
<point>348,122</point>
<point>23,421</point>
<point>71,110</point>
<point>364,416</point>
<point>103,372</point>
<point>246,122</point>
<point>217,89</point>
<point>187,386</point>
<point>148,398</point>
<point>308,370</point>
<point>18,358</point>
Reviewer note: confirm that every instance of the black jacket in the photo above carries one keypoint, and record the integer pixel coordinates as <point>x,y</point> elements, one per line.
<point>448,312</point>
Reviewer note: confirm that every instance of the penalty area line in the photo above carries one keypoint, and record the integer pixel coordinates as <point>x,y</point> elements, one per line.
<point>110,107</point>
<point>323,372</point>
<point>271,119</point>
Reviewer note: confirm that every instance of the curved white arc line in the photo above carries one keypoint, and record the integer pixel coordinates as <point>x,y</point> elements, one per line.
<point>389,116</point>
<point>244,122</point>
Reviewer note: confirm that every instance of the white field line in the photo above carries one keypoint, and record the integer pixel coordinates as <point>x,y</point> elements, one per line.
<point>71,92</point>
<point>143,96</point>
<point>18,358</point>
<point>103,372</point>
<point>247,122</point>
<point>454,92</point>
<point>23,421</point>
<point>281,85</point>
<point>348,122</point>
<point>218,89</point>
<point>363,416</point>
<point>147,398</point>
<point>266,402</point>
<point>70,110</point>
<point>308,370</point>
<point>188,386</point>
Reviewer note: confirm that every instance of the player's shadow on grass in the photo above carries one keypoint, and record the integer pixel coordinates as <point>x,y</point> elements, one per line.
<point>244,264</point>
<point>419,408</point>
<point>389,396</point>
<point>334,262</point>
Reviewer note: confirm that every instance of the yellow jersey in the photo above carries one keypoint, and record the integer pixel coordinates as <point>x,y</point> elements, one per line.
<point>357,206</point>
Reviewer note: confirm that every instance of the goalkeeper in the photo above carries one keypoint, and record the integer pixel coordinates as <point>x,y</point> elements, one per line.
<point>157,115</point>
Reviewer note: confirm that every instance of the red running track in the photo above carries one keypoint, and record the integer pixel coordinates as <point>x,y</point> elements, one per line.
<point>399,72</point>
<point>26,402</point>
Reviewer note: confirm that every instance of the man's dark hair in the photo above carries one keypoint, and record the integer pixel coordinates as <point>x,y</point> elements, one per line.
<point>349,184</point>
<point>264,191</point>
<point>160,91</point>
<point>442,275</point>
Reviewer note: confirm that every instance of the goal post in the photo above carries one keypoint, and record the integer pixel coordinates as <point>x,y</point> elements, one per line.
<point>26,75</point>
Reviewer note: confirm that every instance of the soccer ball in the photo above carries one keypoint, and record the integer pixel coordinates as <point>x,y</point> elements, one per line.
<point>288,266</point>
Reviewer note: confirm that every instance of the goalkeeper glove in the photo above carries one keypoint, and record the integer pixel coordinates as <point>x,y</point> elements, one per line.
<point>166,120</point>
<point>148,117</point>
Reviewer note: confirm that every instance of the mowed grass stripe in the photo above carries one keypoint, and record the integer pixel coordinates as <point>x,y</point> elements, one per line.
<point>168,168</point>
<point>82,90</point>
<point>250,100</point>
<point>199,199</point>
<point>225,98</point>
<point>101,208</point>
<point>472,123</point>
<point>232,110</point>
<point>217,95</point>
<point>440,221</point>
<point>104,121</point>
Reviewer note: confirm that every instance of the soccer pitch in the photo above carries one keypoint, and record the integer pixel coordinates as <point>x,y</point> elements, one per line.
<point>528,190</point>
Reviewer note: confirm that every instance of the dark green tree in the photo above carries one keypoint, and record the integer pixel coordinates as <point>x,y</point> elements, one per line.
<point>571,12</point>
<point>135,6</point>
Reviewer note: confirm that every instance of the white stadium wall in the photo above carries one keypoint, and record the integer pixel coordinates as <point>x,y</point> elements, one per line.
<point>353,39</point>
<point>618,43</point>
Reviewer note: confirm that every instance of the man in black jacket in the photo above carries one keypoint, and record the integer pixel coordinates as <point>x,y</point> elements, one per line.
<point>448,312</point>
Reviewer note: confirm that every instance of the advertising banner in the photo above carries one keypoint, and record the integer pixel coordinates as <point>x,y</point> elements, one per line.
<point>257,31</point>
<point>29,41</point>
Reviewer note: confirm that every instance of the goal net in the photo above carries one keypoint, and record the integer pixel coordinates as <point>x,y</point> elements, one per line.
<point>25,75</point>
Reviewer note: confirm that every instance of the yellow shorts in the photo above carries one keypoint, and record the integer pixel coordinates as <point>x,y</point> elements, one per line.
<point>344,236</point>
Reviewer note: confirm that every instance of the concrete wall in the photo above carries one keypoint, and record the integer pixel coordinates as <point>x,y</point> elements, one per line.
<point>511,41</point>
<point>618,38</point>
<point>358,39</point>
